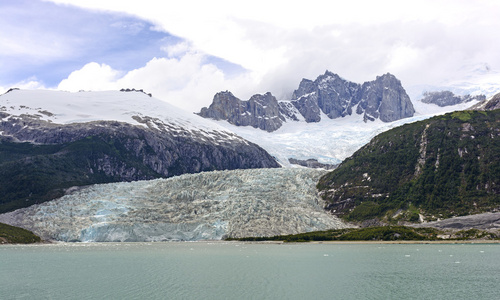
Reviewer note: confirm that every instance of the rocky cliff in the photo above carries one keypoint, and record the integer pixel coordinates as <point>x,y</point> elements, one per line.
<point>447,98</point>
<point>384,99</point>
<point>48,148</point>
<point>490,104</point>
<point>260,111</point>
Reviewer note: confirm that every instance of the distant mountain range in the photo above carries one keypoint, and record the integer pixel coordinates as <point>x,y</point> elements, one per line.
<point>329,95</point>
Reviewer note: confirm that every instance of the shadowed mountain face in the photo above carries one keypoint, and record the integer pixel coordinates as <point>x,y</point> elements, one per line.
<point>447,98</point>
<point>490,104</point>
<point>384,99</point>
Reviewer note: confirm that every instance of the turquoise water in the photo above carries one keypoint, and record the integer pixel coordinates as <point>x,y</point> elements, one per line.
<point>204,270</point>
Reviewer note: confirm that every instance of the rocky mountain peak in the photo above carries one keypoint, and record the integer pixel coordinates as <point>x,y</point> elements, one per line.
<point>490,104</point>
<point>260,111</point>
<point>447,98</point>
<point>384,99</point>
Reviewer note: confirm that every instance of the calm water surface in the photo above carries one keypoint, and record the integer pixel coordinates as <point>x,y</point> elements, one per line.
<point>204,270</point>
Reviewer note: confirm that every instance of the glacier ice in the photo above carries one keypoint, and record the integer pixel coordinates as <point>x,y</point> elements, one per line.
<point>204,206</point>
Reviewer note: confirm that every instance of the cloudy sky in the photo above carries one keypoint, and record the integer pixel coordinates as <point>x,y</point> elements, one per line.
<point>184,52</point>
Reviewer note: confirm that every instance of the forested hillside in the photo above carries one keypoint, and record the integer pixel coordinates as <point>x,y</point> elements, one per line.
<point>441,167</point>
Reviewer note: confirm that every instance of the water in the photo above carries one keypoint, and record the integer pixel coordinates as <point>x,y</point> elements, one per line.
<point>204,270</point>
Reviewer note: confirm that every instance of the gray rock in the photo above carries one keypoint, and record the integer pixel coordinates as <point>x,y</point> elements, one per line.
<point>490,104</point>
<point>167,150</point>
<point>478,221</point>
<point>384,98</point>
<point>447,98</point>
<point>311,163</point>
<point>260,111</point>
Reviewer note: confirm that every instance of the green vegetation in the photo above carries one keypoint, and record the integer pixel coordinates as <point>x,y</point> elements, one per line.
<point>378,233</point>
<point>444,166</point>
<point>33,174</point>
<point>15,235</point>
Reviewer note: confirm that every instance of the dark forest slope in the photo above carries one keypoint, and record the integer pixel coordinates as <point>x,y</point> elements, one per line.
<point>444,166</point>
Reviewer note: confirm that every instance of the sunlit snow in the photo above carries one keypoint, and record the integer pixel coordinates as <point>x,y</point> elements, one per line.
<point>65,107</point>
<point>330,140</point>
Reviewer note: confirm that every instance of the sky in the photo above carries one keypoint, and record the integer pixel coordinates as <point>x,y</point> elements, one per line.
<point>184,52</point>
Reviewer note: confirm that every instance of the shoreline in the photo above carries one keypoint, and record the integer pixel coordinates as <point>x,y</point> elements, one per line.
<point>277,242</point>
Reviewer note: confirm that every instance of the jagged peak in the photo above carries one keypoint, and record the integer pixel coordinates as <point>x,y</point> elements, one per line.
<point>226,92</point>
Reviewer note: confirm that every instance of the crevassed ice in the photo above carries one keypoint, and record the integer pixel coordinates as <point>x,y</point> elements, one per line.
<point>204,206</point>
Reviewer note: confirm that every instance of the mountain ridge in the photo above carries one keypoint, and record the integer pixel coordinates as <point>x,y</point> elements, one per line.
<point>49,142</point>
<point>384,99</point>
<point>440,167</point>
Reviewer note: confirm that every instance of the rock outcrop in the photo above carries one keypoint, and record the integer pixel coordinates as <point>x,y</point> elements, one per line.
<point>447,98</point>
<point>384,99</point>
<point>260,111</point>
<point>490,104</point>
<point>311,163</point>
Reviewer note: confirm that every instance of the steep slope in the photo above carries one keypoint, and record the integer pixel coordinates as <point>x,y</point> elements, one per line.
<point>441,167</point>
<point>329,95</point>
<point>51,141</point>
<point>15,235</point>
<point>208,205</point>
<point>260,111</point>
<point>384,98</point>
<point>489,104</point>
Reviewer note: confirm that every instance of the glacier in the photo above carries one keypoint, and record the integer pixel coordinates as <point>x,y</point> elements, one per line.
<point>204,206</point>
<point>329,141</point>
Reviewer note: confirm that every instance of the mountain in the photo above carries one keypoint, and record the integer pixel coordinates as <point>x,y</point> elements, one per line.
<point>447,98</point>
<point>208,205</point>
<point>261,111</point>
<point>384,99</point>
<point>490,104</point>
<point>51,141</point>
<point>441,167</point>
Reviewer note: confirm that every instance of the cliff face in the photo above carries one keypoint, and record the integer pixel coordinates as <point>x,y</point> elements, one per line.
<point>384,99</point>
<point>40,159</point>
<point>489,104</point>
<point>447,98</point>
<point>260,111</point>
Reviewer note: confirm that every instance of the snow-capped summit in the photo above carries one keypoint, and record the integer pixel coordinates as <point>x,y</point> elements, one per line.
<point>131,107</point>
<point>328,96</point>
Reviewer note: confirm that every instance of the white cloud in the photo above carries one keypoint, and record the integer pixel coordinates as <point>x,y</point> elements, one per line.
<point>279,42</point>
<point>29,84</point>
<point>92,76</point>
<point>186,82</point>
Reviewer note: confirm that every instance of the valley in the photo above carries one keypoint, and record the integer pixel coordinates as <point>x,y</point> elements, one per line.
<point>124,166</point>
